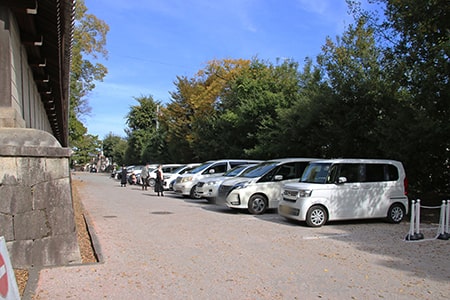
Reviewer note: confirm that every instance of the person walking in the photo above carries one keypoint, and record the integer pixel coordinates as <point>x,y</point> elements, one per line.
<point>159,188</point>
<point>144,177</point>
<point>123,176</point>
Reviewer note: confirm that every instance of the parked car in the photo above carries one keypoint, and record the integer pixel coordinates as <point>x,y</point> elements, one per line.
<point>136,170</point>
<point>167,168</point>
<point>208,187</point>
<point>169,178</point>
<point>129,170</point>
<point>186,184</point>
<point>259,187</point>
<point>343,189</point>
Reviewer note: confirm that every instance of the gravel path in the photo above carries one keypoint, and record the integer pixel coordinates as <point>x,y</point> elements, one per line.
<point>175,248</point>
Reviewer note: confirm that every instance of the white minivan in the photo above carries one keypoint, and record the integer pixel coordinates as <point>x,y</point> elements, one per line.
<point>344,189</point>
<point>259,187</point>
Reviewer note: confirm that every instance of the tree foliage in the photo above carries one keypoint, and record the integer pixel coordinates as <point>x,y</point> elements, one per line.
<point>194,104</point>
<point>380,90</point>
<point>145,140</point>
<point>416,46</point>
<point>89,40</point>
<point>114,147</point>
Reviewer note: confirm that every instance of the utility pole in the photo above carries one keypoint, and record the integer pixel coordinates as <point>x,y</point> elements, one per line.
<point>157,117</point>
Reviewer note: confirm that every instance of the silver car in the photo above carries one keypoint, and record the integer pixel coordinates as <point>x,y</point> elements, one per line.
<point>208,187</point>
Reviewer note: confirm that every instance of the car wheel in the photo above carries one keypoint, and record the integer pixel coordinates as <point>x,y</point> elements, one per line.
<point>316,216</point>
<point>396,213</point>
<point>193,194</point>
<point>257,204</point>
<point>152,182</point>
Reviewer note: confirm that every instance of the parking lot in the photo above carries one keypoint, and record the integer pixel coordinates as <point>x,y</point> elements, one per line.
<point>179,248</point>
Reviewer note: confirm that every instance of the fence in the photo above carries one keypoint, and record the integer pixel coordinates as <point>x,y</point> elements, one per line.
<point>443,229</point>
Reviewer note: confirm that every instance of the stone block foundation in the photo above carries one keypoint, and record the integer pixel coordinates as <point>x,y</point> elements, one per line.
<point>36,209</point>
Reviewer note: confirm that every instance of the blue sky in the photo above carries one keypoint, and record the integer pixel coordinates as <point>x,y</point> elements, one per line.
<point>151,42</point>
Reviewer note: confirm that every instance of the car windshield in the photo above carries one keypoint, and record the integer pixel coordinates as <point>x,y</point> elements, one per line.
<point>316,173</point>
<point>235,171</point>
<point>200,168</point>
<point>178,170</point>
<point>259,170</point>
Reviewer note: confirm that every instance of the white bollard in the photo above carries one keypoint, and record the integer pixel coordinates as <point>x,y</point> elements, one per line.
<point>443,222</point>
<point>410,235</point>
<point>447,218</point>
<point>414,227</point>
<point>417,232</point>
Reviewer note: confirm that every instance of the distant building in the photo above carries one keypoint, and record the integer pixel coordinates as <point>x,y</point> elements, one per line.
<point>36,210</point>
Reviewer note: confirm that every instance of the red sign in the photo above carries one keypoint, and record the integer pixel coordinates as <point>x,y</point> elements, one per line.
<point>3,278</point>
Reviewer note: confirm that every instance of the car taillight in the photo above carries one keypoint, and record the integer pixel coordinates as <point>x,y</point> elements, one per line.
<point>405,184</point>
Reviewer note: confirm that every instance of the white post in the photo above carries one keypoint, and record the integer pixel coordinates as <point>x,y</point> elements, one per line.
<point>410,235</point>
<point>417,216</point>
<point>442,222</point>
<point>417,234</point>
<point>447,218</point>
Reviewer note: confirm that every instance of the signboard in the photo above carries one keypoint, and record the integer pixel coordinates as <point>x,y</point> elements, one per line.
<point>8,284</point>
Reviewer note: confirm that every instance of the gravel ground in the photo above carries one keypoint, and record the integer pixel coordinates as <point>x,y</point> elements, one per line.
<point>175,248</point>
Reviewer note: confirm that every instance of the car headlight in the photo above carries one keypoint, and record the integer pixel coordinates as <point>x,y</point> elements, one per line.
<point>186,179</point>
<point>241,185</point>
<point>210,183</point>
<point>304,193</point>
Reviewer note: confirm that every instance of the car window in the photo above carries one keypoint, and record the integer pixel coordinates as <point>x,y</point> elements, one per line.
<point>390,173</point>
<point>318,173</point>
<point>200,168</point>
<point>288,170</point>
<point>380,172</point>
<point>218,168</point>
<point>259,170</point>
<point>235,171</point>
<point>179,169</point>
<point>236,163</point>
<point>353,172</point>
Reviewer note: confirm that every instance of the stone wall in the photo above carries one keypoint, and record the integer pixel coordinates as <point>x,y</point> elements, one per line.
<point>36,209</point>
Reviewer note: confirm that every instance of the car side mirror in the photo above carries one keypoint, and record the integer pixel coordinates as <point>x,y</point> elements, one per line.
<point>342,180</point>
<point>278,177</point>
<point>212,171</point>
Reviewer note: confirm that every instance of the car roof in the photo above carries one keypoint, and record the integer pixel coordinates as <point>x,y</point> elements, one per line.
<point>357,160</point>
<point>291,159</point>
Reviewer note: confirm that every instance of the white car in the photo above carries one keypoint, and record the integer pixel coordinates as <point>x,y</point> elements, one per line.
<point>259,188</point>
<point>209,187</point>
<point>167,168</point>
<point>139,171</point>
<point>170,177</point>
<point>344,189</point>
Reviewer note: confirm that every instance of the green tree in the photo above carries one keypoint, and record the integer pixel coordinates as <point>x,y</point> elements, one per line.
<point>143,125</point>
<point>303,129</point>
<point>114,147</point>
<point>89,39</point>
<point>421,57</point>
<point>193,107</point>
<point>87,150</point>
<point>362,97</point>
<point>415,37</point>
<point>250,109</point>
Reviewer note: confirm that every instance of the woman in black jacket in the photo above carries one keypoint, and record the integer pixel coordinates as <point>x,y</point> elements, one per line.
<point>159,188</point>
<point>123,176</point>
